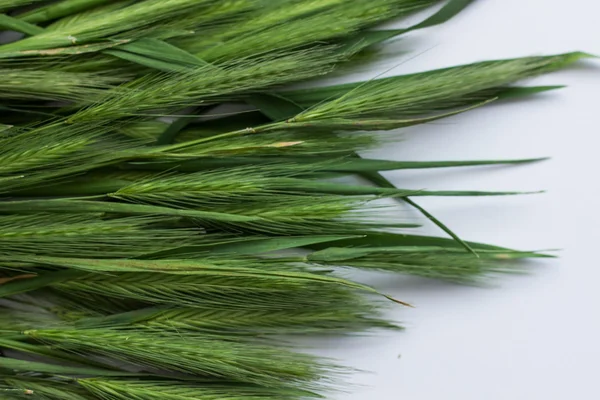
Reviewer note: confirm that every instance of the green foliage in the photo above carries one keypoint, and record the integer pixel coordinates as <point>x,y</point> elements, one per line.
<point>169,390</point>
<point>153,245</point>
<point>192,354</point>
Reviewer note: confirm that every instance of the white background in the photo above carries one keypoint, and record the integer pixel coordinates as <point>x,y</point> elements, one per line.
<point>528,337</point>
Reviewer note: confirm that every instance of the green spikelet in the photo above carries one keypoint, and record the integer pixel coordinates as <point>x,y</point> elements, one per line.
<point>173,203</point>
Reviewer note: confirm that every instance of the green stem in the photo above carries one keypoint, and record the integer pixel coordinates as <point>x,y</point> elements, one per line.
<point>441,225</point>
<point>13,24</point>
<point>77,205</point>
<point>241,132</point>
<point>60,9</point>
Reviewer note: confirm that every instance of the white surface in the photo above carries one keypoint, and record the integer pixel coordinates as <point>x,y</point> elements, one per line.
<point>531,337</point>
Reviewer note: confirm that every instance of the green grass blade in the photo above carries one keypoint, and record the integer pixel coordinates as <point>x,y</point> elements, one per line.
<point>524,91</point>
<point>59,9</point>
<point>274,106</point>
<point>358,165</point>
<point>52,369</point>
<point>379,180</point>
<point>370,38</point>
<point>70,206</point>
<point>441,225</point>
<point>157,54</point>
<point>13,24</point>
<point>264,245</point>
<point>36,282</point>
<point>170,133</point>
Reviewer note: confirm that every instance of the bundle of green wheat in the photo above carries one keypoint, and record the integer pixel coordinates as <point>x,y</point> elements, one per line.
<point>142,229</point>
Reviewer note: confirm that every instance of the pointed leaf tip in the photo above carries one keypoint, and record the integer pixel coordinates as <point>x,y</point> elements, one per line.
<point>514,92</point>
<point>582,54</point>
<point>399,301</point>
<point>571,58</point>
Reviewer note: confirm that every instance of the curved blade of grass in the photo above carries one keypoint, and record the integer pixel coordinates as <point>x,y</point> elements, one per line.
<point>370,38</point>
<point>447,12</point>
